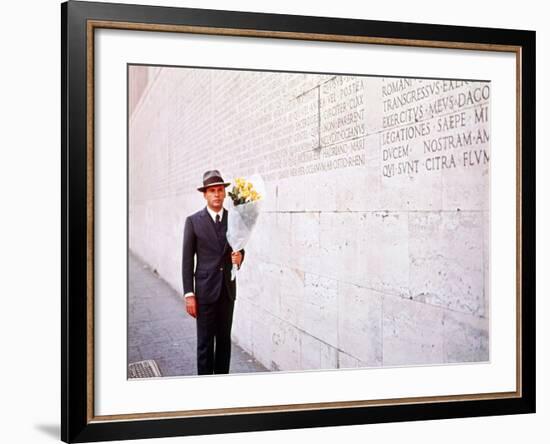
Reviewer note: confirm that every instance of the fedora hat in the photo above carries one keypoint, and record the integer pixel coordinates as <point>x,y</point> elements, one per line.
<point>211,178</point>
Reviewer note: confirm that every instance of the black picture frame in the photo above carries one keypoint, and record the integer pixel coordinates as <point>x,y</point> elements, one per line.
<point>78,21</point>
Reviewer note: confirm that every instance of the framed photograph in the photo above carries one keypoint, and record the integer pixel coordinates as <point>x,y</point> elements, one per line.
<point>274,221</point>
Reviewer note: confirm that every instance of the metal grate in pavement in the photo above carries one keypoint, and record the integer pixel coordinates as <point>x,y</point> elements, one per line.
<point>143,369</point>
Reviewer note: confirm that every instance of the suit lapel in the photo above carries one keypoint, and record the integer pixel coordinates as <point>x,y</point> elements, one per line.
<point>209,224</point>
<point>224,229</point>
<point>211,227</point>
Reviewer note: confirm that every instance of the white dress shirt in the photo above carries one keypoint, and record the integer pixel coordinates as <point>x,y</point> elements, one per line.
<point>213,213</point>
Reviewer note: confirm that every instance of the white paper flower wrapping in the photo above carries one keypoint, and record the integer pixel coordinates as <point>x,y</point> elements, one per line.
<point>241,219</point>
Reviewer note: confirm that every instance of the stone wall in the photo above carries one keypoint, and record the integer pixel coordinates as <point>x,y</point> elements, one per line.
<point>372,249</point>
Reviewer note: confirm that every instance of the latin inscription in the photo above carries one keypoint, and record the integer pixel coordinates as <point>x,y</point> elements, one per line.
<point>433,126</point>
<point>286,125</point>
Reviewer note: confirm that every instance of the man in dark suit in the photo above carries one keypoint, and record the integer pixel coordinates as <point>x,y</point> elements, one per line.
<point>208,289</point>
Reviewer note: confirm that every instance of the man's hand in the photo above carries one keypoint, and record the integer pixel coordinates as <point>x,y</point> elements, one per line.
<point>191,305</point>
<point>237,258</point>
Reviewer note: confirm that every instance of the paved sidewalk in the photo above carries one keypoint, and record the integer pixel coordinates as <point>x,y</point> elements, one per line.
<point>159,328</point>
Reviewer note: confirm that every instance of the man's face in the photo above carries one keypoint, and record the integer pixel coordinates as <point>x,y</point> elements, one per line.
<point>214,196</point>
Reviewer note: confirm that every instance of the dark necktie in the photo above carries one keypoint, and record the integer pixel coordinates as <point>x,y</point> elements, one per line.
<point>218,223</point>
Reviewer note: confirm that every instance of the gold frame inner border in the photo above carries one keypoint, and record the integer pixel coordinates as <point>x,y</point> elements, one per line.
<point>92,25</point>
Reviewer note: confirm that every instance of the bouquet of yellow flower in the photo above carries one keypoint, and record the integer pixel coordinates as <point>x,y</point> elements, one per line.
<point>246,197</point>
<point>243,192</point>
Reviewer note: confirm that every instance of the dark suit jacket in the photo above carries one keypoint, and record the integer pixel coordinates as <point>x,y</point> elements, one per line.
<point>213,258</point>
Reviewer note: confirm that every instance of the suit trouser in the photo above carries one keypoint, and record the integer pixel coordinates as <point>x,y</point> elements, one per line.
<point>214,335</point>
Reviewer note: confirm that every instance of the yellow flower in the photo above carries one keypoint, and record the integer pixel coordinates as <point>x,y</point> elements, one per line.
<point>244,191</point>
